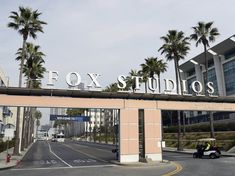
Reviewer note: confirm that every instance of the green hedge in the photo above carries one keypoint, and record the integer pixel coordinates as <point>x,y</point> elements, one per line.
<point>202,128</point>
<point>3,145</point>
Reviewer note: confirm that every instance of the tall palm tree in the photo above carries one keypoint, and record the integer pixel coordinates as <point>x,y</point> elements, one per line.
<point>33,70</point>
<point>153,66</point>
<point>205,33</point>
<point>176,47</point>
<point>27,23</point>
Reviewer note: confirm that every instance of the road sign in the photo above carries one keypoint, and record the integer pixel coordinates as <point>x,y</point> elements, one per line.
<point>70,118</point>
<point>9,133</point>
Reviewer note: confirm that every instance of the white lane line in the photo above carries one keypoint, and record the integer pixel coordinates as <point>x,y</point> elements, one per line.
<point>75,167</point>
<point>58,156</point>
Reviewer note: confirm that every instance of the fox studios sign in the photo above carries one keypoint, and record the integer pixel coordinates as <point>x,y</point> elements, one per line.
<point>73,79</point>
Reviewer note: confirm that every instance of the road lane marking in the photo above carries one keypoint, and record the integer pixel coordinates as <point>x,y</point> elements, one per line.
<point>89,155</point>
<point>84,161</point>
<point>74,167</point>
<point>58,156</point>
<point>177,170</point>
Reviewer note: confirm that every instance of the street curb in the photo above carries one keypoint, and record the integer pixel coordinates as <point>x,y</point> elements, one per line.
<point>141,164</point>
<point>8,167</point>
<point>17,161</point>
<point>182,152</point>
<point>178,152</point>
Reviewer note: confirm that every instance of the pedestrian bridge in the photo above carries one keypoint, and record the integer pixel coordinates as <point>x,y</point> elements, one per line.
<point>132,107</point>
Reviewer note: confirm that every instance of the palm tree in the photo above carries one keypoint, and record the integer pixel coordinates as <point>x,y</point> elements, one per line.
<point>175,48</point>
<point>111,88</point>
<point>33,70</point>
<point>37,116</point>
<point>130,81</point>
<point>154,66</point>
<point>144,75</point>
<point>162,67</point>
<point>205,33</point>
<point>27,23</point>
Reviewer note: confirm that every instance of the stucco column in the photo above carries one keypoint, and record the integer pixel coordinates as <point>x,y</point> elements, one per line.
<point>153,134</point>
<point>219,75</point>
<point>129,139</point>
<point>199,74</point>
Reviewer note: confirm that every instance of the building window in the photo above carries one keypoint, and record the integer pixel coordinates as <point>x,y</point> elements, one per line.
<point>229,77</point>
<point>191,72</point>
<point>212,78</point>
<point>210,63</point>
<point>229,54</point>
<point>189,82</point>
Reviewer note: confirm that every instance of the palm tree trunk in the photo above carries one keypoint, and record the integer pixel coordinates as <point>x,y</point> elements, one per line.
<point>181,92</point>
<point>159,85</point>
<point>176,77</point>
<point>22,63</point>
<point>184,129</point>
<point>27,128</point>
<point>23,130</point>
<point>206,67</point>
<point>145,84</point>
<point>17,136</point>
<point>179,145</point>
<point>212,133</point>
<point>180,80</point>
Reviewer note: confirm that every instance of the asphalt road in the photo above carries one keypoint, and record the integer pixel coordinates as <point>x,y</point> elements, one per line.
<point>224,166</point>
<point>73,158</point>
<point>89,159</point>
<point>68,154</point>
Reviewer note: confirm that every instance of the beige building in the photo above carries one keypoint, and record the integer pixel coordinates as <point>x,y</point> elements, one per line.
<point>8,113</point>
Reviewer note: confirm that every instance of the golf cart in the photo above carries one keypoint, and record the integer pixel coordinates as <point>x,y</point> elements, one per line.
<point>213,151</point>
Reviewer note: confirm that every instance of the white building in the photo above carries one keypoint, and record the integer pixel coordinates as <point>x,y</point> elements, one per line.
<point>221,71</point>
<point>7,114</point>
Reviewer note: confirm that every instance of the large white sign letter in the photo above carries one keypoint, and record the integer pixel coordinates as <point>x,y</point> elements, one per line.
<point>52,75</point>
<point>94,77</point>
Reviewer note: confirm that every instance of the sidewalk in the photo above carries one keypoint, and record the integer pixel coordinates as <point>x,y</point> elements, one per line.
<point>14,159</point>
<point>191,151</point>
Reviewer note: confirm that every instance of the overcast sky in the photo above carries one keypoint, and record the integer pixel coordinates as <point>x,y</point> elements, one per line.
<point>109,37</point>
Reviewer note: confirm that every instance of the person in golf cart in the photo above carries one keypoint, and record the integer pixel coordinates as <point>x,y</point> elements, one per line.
<point>206,147</point>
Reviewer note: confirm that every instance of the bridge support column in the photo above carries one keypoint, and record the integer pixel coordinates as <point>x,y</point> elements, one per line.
<point>129,140</point>
<point>153,134</point>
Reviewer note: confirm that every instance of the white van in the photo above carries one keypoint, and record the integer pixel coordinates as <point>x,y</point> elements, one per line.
<point>59,137</point>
